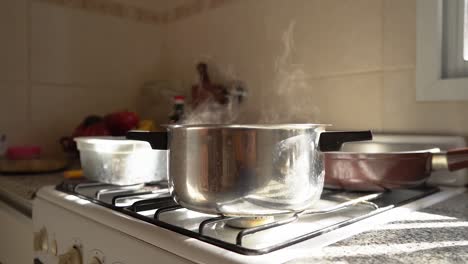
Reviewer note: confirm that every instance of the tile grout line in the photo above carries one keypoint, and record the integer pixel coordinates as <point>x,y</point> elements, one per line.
<point>29,61</point>
<point>363,72</point>
<point>317,77</point>
<point>382,77</point>
<point>57,84</point>
<point>23,82</point>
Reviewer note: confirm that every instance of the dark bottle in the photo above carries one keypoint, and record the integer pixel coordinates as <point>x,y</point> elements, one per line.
<point>178,112</point>
<point>205,89</point>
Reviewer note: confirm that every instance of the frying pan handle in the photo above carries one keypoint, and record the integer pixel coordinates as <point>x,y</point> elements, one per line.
<point>457,159</point>
<point>157,140</point>
<point>332,140</point>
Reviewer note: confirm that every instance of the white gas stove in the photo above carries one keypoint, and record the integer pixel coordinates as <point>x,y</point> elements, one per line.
<point>82,222</point>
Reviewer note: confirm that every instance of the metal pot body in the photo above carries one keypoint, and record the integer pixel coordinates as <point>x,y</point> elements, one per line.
<point>245,170</point>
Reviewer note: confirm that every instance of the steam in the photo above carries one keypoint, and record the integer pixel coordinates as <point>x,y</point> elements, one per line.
<point>289,77</point>
<point>288,74</point>
<point>285,104</point>
<point>211,112</point>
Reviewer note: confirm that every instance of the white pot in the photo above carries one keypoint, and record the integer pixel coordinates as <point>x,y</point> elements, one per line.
<point>115,160</point>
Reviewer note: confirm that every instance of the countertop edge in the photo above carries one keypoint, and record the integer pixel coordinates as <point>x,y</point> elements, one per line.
<point>17,202</point>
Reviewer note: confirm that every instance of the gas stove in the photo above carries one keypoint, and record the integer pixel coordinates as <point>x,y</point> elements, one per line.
<point>101,223</point>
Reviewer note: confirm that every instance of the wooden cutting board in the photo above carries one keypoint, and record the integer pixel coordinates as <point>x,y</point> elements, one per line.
<point>32,166</point>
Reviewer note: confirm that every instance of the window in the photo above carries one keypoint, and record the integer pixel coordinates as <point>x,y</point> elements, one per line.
<point>442,50</point>
<point>465,31</point>
<point>454,64</point>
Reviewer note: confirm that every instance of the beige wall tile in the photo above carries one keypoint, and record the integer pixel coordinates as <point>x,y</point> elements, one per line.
<point>245,40</point>
<point>85,63</point>
<point>217,37</point>
<point>57,110</point>
<point>70,46</point>
<point>402,113</point>
<point>350,102</point>
<point>13,113</point>
<point>399,33</point>
<point>346,102</point>
<point>463,113</point>
<point>343,39</point>
<point>232,52</point>
<point>13,40</point>
<point>336,37</point>
<point>329,37</point>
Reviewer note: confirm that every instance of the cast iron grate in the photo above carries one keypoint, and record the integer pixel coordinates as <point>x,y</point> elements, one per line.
<point>155,196</point>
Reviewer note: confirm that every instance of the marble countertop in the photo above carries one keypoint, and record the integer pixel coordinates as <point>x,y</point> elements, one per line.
<point>436,234</point>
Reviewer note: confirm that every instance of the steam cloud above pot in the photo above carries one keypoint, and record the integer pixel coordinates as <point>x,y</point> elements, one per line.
<point>284,100</point>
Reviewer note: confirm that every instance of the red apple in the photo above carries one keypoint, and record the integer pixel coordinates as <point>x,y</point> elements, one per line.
<point>119,123</point>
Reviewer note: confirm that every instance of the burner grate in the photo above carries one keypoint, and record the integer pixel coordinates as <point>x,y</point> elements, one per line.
<point>155,197</point>
<point>365,200</point>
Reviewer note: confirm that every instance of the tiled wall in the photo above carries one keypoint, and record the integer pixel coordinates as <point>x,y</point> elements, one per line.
<point>59,64</point>
<point>357,59</point>
<point>353,62</point>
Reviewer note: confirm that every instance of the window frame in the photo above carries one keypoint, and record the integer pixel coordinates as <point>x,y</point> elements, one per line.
<point>430,86</point>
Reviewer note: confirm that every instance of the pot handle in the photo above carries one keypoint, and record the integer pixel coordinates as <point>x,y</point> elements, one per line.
<point>332,140</point>
<point>457,159</point>
<point>157,140</point>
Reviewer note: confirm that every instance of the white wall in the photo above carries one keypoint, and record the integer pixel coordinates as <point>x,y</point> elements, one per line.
<point>357,56</point>
<point>59,64</point>
<point>355,59</point>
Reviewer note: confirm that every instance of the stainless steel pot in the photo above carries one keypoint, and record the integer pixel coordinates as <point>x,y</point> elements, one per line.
<point>247,170</point>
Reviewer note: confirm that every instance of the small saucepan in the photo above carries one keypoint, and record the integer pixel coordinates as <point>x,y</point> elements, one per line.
<point>382,171</point>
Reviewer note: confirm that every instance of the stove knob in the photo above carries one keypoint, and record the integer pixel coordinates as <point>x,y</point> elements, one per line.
<point>95,260</point>
<point>53,247</point>
<point>41,240</point>
<point>37,243</point>
<point>73,256</point>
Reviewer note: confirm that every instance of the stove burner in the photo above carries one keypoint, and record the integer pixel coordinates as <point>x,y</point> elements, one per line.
<point>152,203</point>
<point>249,222</point>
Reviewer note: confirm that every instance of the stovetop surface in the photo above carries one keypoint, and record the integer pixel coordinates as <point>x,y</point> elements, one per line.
<point>152,203</point>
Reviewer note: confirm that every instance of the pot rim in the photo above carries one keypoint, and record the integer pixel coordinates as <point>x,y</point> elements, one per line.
<point>247,126</point>
<point>384,154</point>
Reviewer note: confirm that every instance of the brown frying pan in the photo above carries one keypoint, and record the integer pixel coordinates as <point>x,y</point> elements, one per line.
<point>388,170</point>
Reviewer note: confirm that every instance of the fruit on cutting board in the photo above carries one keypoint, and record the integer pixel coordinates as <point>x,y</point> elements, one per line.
<point>23,152</point>
<point>32,165</point>
<point>119,123</point>
<point>73,174</point>
<point>146,125</point>
<point>91,126</point>
<point>115,124</point>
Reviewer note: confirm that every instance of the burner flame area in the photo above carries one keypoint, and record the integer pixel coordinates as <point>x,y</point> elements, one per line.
<point>249,222</point>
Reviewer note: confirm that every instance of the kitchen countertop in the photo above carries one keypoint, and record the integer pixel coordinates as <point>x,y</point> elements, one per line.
<point>437,234</point>
<point>19,190</point>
